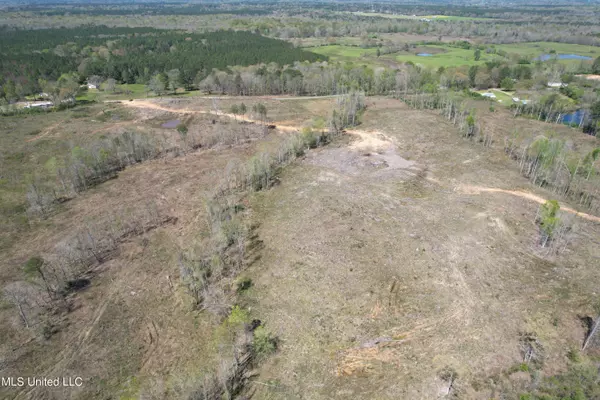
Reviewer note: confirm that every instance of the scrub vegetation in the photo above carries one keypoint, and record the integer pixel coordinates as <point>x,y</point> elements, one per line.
<point>300,200</point>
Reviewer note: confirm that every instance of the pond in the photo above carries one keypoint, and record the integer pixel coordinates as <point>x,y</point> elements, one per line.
<point>171,124</point>
<point>424,54</point>
<point>546,57</point>
<point>573,118</point>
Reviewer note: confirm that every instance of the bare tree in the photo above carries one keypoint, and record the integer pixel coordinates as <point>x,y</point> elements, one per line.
<point>110,85</point>
<point>22,297</point>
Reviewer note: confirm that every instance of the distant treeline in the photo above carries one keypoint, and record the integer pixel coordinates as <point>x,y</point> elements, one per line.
<point>132,55</point>
<point>157,10</point>
<point>263,8</point>
<point>148,8</point>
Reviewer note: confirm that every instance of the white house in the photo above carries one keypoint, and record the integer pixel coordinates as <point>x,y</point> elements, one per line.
<point>556,84</point>
<point>489,95</point>
<point>92,86</point>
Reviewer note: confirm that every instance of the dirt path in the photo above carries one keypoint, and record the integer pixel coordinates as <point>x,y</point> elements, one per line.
<point>154,106</point>
<point>468,189</point>
<point>46,132</point>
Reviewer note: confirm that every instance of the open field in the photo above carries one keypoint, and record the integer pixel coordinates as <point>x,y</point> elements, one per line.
<point>502,97</point>
<point>415,268</point>
<point>128,91</point>
<point>440,55</point>
<point>449,56</point>
<point>427,18</point>
<point>444,56</point>
<point>535,49</point>
<point>340,53</point>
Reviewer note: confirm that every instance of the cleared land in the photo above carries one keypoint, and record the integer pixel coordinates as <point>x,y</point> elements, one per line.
<point>382,266</point>
<point>133,331</point>
<point>427,18</point>
<point>397,251</point>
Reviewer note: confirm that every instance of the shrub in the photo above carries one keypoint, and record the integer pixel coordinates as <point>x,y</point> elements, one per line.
<point>548,220</point>
<point>309,138</point>
<point>232,230</point>
<point>33,266</point>
<point>238,316</point>
<point>244,284</point>
<point>264,343</point>
<point>574,355</point>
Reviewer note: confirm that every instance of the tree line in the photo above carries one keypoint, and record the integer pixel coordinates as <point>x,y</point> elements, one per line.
<point>130,55</point>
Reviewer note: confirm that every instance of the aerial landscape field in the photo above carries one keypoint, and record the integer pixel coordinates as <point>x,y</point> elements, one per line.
<point>309,200</point>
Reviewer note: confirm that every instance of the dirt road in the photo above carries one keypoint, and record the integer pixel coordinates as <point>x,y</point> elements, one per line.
<point>476,190</point>
<point>154,106</point>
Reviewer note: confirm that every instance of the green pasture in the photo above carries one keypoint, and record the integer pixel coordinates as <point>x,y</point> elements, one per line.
<point>502,97</point>
<point>449,57</point>
<point>535,49</point>
<point>126,92</point>
<point>340,53</point>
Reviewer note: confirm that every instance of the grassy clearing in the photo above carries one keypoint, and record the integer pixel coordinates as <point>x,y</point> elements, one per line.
<point>447,57</point>
<point>126,92</point>
<point>535,49</point>
<point>341,53</point>
<point>502,97</point>
<point>431,18</point>
<point>441,55</point>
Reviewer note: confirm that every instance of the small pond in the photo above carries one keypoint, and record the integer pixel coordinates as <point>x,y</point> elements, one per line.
<point>171,124</point>
<point>546,57</point>
<point>574,117</point>
<point>424,54</point>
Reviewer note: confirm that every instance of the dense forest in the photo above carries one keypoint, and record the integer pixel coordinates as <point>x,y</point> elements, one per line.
<point>131,55</point>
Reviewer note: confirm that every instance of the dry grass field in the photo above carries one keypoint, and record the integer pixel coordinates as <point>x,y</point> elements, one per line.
<point>384,260</point>
<point>134,325</point>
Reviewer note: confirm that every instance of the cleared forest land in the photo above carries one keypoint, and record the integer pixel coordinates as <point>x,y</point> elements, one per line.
<point>380,261</point>
<point>381,270</point>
